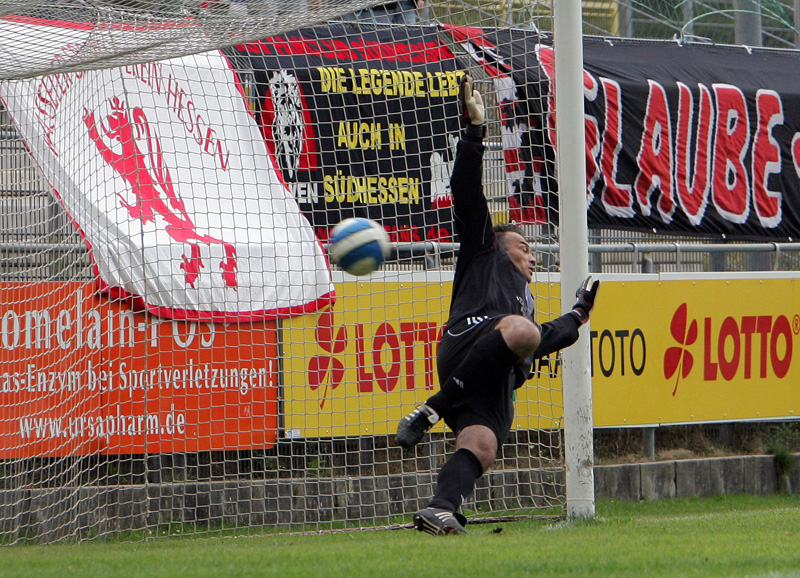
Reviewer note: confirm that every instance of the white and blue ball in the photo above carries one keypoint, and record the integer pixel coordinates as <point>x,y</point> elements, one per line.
<point>359,245</point>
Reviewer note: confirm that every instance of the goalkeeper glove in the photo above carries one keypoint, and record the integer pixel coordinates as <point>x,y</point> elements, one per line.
<point>472,105</point>
<point>585,298</point>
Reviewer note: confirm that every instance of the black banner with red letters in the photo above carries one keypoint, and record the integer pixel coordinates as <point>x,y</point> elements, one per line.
<point>681,139</point>
<point>362,121</point>
<point>693,139</point>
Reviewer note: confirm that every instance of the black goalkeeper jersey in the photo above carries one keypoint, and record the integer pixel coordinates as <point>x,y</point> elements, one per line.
<point>486,283</point>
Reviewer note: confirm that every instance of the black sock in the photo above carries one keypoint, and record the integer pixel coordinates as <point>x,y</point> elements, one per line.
<point>489,357</point>
<point>456,480</point>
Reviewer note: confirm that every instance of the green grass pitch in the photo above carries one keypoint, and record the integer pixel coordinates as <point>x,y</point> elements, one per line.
<point>746,536</point>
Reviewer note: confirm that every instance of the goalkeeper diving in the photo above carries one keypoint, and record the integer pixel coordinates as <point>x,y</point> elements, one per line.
<point>491,338</point>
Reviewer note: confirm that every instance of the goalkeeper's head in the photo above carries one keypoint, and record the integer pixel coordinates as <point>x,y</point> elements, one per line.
<point>511,239</point>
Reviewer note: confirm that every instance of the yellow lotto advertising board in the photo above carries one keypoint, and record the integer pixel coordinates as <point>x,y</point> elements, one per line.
<point>360,366</point>
<point>683,351</point>
<point>663,352</point>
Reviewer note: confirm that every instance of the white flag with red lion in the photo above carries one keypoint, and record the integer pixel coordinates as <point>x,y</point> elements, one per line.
<point>165,172</point>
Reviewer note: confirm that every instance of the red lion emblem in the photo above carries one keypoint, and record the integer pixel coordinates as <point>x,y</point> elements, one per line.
<point>151,185</point>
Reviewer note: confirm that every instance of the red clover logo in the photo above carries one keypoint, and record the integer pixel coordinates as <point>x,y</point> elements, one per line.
<point>678,357</point>
<point>325,364</point>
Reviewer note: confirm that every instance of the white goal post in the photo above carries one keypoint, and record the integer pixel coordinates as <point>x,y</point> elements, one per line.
<point>578,417</point>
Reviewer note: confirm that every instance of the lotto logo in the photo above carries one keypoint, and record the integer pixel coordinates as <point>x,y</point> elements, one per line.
<point>748,347</point>
<point>679,357</point>
<point>390,355</point>
<point>327,368</point>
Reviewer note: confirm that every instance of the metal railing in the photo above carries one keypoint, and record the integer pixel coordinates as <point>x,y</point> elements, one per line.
<point>632,257</point>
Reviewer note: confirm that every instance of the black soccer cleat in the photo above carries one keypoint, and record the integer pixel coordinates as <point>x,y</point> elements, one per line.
<point>412,428</point>
<point>438,522</point>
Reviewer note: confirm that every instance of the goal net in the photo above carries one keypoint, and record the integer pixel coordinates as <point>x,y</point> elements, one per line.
<point>177,354</point>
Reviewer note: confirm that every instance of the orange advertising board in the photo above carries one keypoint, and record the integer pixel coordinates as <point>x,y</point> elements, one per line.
<point>80,374</point>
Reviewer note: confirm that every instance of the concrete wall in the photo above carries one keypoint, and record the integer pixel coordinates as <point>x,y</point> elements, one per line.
<point>703,477</point>
<point>51,514</point>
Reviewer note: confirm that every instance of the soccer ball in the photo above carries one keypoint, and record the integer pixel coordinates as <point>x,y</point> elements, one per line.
<point>359,246</point>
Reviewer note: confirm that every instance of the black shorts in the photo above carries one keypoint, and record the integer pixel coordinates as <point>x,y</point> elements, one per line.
<point>491,403</point>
